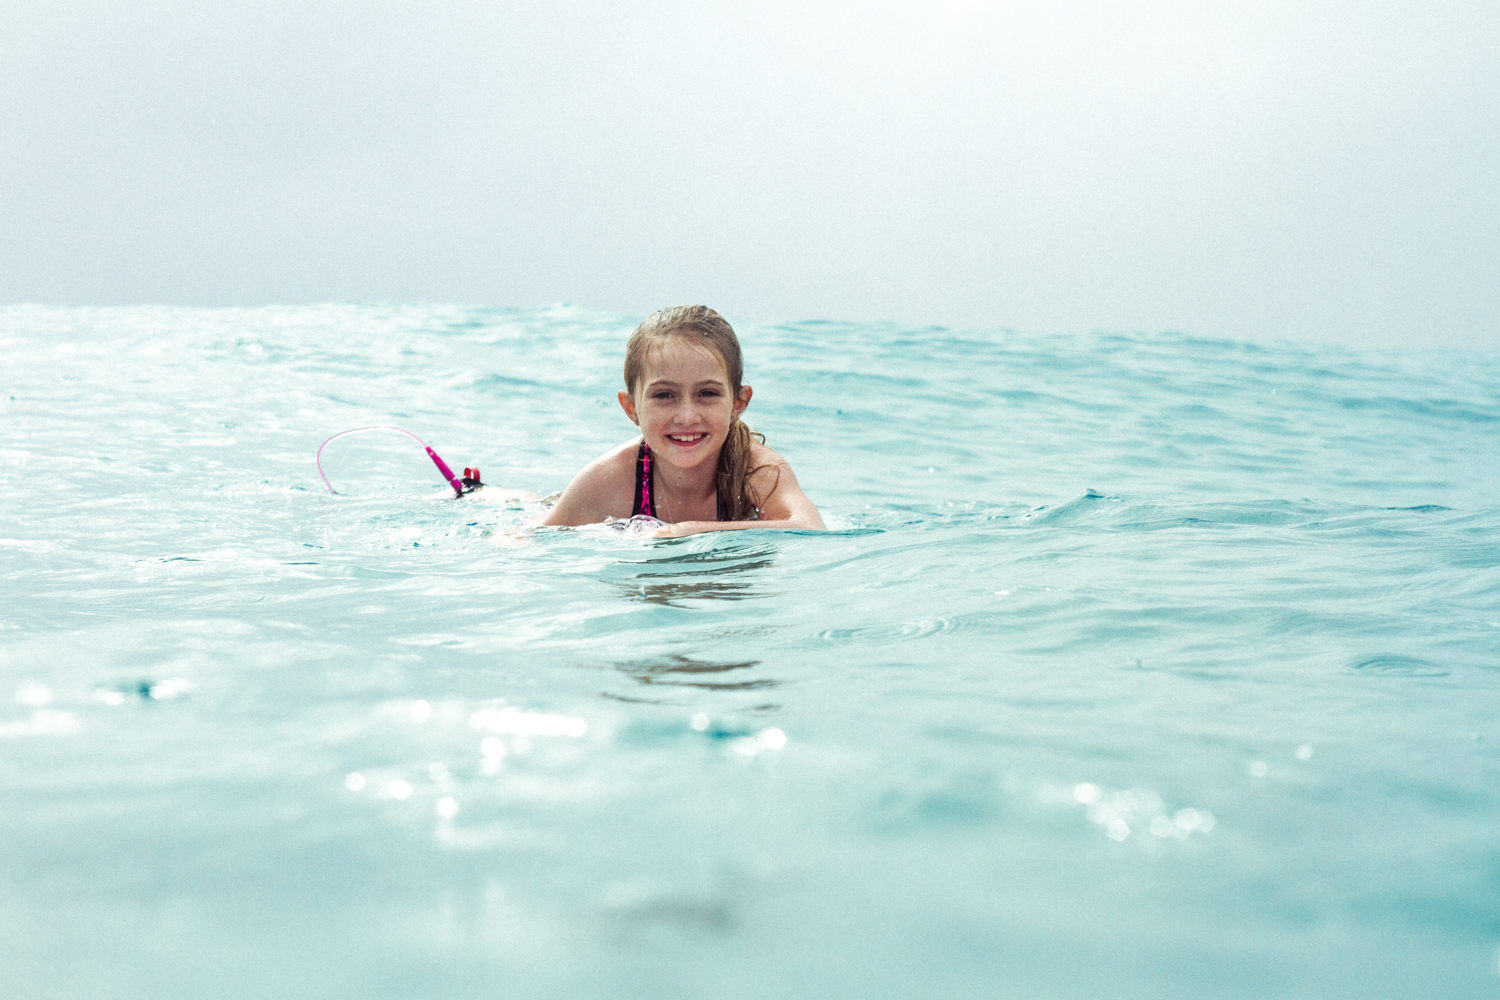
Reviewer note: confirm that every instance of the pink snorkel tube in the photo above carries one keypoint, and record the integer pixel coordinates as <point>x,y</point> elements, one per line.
<point>459,486</point>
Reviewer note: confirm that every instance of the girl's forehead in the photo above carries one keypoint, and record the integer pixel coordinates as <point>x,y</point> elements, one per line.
<point>682,360</point>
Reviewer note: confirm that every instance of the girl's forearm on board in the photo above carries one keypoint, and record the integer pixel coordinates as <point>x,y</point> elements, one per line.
<point>684,528</point>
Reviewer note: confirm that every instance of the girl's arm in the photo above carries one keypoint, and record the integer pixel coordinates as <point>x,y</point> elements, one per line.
<point>786,508</point>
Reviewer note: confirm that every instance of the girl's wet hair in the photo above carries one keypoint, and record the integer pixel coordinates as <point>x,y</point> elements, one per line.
<point>701,325</point>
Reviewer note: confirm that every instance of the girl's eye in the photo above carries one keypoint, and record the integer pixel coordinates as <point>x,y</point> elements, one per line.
<point>709,392</point>
<point>661,394</point>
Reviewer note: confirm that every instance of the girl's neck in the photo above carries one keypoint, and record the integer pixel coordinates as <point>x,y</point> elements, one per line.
<point>685,489</point>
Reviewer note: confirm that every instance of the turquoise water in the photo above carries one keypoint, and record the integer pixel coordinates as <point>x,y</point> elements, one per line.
<point>1137,665</point>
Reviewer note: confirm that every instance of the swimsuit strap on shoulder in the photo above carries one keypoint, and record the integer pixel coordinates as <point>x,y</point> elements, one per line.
<point>645,503</point>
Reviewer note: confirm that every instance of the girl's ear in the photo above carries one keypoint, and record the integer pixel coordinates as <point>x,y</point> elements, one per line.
<point>627,403</point>
<point>742,400</point>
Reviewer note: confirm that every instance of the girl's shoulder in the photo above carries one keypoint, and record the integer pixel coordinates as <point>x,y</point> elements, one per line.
<point>768,471</point>
<point>602,489</point>
<point>613,466</point>
<point>762,453</point>
<point>777,494</point>
<point>765,455</point>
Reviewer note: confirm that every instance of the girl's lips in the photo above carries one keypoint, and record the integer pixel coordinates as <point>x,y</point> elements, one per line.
<point>685,440</point>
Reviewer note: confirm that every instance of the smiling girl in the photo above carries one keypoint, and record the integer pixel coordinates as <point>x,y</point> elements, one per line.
<point>696,465</point>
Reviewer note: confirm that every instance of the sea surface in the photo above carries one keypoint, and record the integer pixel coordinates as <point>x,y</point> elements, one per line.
<point>1135,665</point>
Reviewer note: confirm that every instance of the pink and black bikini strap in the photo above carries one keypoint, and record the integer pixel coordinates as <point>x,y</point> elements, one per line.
<point>644,501</point>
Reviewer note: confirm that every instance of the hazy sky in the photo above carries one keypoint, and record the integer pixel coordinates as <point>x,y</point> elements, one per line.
<point>1245,170</point>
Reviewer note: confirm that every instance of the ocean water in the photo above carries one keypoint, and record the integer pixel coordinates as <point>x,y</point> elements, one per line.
<point>1135,665</point>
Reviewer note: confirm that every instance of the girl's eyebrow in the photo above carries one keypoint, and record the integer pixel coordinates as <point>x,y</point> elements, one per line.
<point>671,384</point>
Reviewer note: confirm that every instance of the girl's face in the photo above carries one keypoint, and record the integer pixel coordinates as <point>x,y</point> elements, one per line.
<point>684,404</point>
